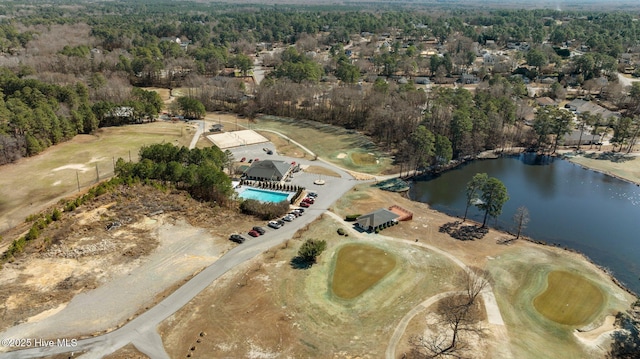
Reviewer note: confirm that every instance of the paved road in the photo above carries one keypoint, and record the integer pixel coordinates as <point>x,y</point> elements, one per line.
<point>141,331</point>
<point>196,136</point>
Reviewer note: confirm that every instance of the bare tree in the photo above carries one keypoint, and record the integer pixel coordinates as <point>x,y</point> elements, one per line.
<point>520,219</point>
<point>459,315</point>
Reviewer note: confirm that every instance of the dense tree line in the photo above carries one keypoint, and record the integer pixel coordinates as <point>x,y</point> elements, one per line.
<point>35,115</point>
<point>199,171</point>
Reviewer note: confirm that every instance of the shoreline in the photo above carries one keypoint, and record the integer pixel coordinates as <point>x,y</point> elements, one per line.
<point>489,155</point>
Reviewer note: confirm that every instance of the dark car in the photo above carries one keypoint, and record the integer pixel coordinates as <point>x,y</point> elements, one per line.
<point>280,222</point>
<point>250,160</point>
<point>269,152</point>
<point>253,233</point>
<point>259,229</point>
<point>237,238</point>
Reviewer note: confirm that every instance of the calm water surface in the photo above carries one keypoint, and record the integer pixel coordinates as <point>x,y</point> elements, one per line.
<point>593,213</point>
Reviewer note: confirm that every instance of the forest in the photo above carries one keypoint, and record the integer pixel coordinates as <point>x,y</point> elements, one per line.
<point>74,67</point>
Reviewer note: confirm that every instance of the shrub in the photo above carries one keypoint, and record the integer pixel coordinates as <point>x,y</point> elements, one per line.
<point>56,215</point>
<point>352,217</point>
<point>311,249</point>
<point>341,231</point>
<point>377,230</point>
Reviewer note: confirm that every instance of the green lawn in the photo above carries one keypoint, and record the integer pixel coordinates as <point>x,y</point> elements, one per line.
<point>569,299</point>
<point>359,267</point>
<point>30,183</point>
<point>347,149</point>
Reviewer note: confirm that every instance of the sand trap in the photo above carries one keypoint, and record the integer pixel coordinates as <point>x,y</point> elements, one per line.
<point>595,336</point>
<point>76,166</point>
<point>341,155</point>
<point>57,183</point>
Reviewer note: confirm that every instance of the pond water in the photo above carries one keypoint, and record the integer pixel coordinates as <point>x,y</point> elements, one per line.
<point>568,205</point>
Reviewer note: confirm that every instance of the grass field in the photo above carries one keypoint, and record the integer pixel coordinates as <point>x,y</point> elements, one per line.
<point>347,149</point>
<point>522,275</point>
<point>30,183</point>
<point>357,268</point>
<point>569,299</point>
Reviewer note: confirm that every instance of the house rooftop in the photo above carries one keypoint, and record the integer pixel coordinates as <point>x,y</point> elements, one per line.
<point>269,170</point>
<point>376,218</point>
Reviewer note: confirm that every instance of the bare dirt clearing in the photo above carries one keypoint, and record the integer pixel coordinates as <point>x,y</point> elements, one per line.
<point>30,184</point>
<point>126,269</point>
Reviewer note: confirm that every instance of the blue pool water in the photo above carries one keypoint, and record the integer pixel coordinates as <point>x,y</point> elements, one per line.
<point>263,195</point>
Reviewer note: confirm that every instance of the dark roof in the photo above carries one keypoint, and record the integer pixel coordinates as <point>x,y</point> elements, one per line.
<point>376,218</point>
<point>583,106</point>
<point>268,169</point>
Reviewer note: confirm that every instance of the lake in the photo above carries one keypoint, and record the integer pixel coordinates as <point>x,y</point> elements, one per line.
<point>581,209</point>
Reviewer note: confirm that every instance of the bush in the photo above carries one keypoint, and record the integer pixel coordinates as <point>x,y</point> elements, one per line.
<point>311,249</point>
<point>264,210</point>
<point>56,215</point>
<point>341,231</point>
<point>352,217</point>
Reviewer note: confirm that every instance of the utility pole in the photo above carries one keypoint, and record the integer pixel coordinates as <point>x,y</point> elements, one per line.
<point>97,173</point>
<point>78,179</point>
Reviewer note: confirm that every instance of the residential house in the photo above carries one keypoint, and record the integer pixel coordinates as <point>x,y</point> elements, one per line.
<point>575,138</point>
<point>377,219</point>
<point>582,106</point>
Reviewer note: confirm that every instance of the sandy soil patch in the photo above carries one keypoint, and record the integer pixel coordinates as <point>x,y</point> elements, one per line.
<point>596,336</point>
<point>55,287</point>
<point>341,155</point>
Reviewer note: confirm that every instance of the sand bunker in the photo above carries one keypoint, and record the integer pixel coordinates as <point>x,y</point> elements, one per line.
<point>595,336</point>
<point>75,166</point>
<point>341,156</point>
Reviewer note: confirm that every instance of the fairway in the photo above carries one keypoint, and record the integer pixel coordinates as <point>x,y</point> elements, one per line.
<point>358,267</point>
<point>569,299</point>
<point>58,170</point>
<point>345,148</point>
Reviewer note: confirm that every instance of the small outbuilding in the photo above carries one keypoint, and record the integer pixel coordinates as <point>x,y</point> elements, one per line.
<point>378,219</point>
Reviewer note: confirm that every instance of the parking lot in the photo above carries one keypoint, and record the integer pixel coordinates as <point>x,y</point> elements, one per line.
<point>326,194</point>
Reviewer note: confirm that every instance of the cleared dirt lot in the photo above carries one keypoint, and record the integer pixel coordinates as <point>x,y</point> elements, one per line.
<point>56,284</point>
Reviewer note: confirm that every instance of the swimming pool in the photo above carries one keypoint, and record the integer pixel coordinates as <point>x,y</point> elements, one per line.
<point>263,195</point>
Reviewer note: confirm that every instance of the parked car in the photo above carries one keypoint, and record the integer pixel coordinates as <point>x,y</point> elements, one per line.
<point>269,152</point>
<point>281,222</point>
<point>274,225</point>
<point>312,194</point>
<point>305,204</point>
<point>259,230</point>
<point>309,200</point>
<point>243,159</point>
<point>253,233</point>
<point>294,213</point>
<point>301,210</point>
<point>288,218</point>
<point>250,160</point>
<point>237,238</point>
<point>256,160</point>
